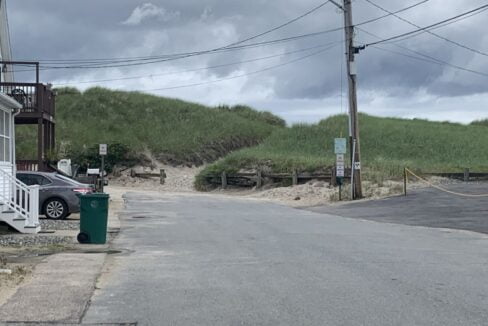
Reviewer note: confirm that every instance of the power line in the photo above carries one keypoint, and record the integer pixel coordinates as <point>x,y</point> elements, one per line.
<point>282,25</point>
<point>198,69</point>
<point>440,26</point>
<point>407,55</point>
<point>432,26</point>
<point>427,31</point>
<point>231,77</point>
<point>102,63</point>
<point>224,47</point>
<point>238,42</point>
<point>424,56</point>
<point>246,74</point>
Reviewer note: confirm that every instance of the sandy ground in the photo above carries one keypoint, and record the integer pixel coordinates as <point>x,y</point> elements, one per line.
<point>180,179</point>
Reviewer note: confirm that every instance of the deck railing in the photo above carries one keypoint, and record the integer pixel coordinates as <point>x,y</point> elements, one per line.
<point>34,97</point>
<point>28,165</point>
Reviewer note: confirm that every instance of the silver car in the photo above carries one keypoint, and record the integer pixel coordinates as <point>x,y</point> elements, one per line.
<point>58,195</point>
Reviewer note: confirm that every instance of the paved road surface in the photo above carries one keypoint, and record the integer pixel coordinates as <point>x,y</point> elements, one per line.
<point>423,207</point>
<point>201,260</point>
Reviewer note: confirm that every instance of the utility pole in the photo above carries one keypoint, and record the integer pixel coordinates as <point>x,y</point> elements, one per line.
<point>351,51</point>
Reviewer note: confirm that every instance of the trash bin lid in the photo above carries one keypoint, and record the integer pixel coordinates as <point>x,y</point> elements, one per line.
<point>95,195</point>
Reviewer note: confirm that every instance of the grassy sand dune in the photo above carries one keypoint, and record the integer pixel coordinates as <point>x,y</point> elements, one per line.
<point>387,145</point>
<point>172,130</point>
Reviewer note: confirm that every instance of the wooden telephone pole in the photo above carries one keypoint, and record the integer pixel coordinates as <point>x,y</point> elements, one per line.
<point>351,51</point>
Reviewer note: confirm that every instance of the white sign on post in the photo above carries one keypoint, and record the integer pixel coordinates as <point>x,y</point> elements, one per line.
<point>103,149</point>
<point>357,165</point>
<point>340,171</point>
<point>340,165</point>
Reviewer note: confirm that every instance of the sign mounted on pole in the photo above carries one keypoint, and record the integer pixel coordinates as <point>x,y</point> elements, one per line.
<point>340,171</point>
<point>340,146</point>
<point>357,165</point>
<point>103,153</point>
<point>340,165</point>
<point>103,149</point>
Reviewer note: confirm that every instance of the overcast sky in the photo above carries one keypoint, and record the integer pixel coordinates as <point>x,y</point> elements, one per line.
<point>296,88</point>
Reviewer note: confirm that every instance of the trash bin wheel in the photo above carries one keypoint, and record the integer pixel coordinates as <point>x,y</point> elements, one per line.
<point>83,237</point>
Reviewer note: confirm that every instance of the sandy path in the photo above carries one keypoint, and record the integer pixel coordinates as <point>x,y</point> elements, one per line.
<point>180,179</point>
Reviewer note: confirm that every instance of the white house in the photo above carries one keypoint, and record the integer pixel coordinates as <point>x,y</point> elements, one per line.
<point>19,203</point>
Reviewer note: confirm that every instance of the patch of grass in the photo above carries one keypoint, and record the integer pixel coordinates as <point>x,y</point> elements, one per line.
<point>251,114</point>
<point>172,130</point>
<point>387,146</point>
<point>483,122</point>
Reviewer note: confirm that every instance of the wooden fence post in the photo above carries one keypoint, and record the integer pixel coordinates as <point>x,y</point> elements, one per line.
<point>294,177</point>
<point>224,180</point>
<point>162,176</point>
<point>404,181</point>
<point>259,179</point>
<point>333,180</point>
<point>466,175</point>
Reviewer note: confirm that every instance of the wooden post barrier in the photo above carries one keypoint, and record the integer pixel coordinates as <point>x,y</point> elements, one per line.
<point>162,176</point>
<point>224,180</point>
<point>466,175</point>
<point>333,179</point>
<point>404,181</point>
<point>259,179</point>
<point>294,177</point>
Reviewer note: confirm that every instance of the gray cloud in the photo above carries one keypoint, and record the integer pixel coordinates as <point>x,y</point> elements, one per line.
<point>129,28</point>
<point>148,11</point>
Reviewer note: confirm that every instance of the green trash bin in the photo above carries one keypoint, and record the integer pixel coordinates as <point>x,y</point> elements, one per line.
<point>93,218</point>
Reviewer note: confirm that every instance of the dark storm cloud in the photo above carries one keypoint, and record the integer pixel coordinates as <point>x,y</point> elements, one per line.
<point>59,29</point>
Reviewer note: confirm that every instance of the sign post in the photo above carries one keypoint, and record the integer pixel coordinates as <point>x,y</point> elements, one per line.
<point>340,148</point>
<point>103,153</point>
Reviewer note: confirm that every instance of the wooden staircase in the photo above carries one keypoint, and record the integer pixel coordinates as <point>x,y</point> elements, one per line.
<point>19,204</point>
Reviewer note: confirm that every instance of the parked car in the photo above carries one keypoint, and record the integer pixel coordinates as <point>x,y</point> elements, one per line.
<point>57,193</point>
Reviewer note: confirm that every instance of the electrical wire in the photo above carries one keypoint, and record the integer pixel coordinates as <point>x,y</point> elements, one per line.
<point>197,69</point>
<point>440,26</point>
<point>427,31</point>
<point>423,56</point>
<point>231,77</point>
<point>102,63</point>
<point>421,30</point>
<point>242,75</point>
<point>234,43</point>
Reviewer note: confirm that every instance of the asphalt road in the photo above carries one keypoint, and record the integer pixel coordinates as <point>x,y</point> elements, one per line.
<point>423,207</point>
<point>201,260</point>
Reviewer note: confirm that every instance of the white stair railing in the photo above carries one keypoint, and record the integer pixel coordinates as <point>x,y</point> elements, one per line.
<point>19,197</point>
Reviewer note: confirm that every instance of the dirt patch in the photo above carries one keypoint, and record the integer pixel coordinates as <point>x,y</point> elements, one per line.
<point>9,283</point>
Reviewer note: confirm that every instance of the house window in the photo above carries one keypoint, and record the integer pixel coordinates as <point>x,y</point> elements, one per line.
<point>4,136</point>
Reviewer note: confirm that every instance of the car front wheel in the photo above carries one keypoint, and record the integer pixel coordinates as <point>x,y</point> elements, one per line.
<point>55,209</point>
